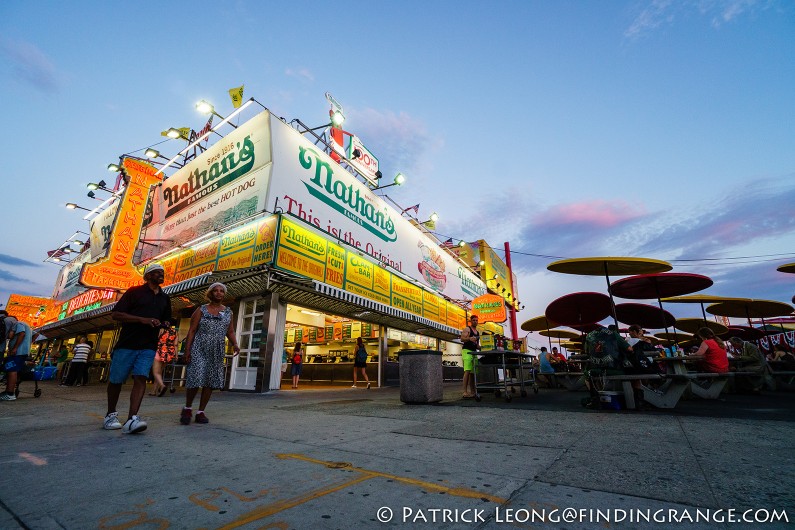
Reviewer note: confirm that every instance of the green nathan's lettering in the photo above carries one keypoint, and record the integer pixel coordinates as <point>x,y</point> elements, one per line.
<point>345,199</point>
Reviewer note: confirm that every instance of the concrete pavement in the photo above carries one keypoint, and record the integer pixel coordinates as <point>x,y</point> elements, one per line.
<point>345,458</point>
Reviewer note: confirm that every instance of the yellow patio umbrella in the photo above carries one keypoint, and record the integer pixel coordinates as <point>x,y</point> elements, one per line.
<point>789,268</point>
<point>539,323</point>
<point>700,299</point>
<point>750,308</point>
<point>559,334</point>
<point>673,336</point>
<point>691,325</point>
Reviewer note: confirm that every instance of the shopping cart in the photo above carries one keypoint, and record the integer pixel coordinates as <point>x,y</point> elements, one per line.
<point>507,370</point>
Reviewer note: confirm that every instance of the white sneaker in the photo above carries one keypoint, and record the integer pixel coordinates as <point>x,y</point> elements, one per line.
<point>133,425</point>
<point>353,386</point>
<point>7,397</point>
<point>112,422</point>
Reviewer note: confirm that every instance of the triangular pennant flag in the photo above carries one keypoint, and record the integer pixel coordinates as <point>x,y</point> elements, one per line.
<point>237,96</point>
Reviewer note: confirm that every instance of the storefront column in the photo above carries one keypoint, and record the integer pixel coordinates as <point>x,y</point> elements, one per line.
<point>267,347</point>
<point>383,351</point>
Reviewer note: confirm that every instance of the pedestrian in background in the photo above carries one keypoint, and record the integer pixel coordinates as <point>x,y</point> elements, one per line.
<point>471,339</point>
<point>166,351</point>
<point>79,367</point>
<point>360,362</point>
<point>18,334</point>
<point>298,363</point>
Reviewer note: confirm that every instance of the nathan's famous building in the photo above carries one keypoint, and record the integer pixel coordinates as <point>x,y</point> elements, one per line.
<point>307,248</point>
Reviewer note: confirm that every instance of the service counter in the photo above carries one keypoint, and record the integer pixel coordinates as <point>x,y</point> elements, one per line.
<point>332,373</point>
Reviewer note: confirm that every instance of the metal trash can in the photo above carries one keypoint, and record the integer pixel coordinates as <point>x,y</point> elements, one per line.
<point>420,376</point>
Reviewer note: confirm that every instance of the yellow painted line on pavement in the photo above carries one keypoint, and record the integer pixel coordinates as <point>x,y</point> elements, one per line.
<point>458,492</point>
<point>270,509</point>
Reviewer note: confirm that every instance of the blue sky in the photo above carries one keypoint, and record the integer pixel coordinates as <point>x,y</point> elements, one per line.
<point>661,129</point>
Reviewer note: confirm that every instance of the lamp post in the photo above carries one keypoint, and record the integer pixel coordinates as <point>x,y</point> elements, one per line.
<point>398,181</point>
<point>101,185</point>
<point>72,206</point>
<point>205,107</point>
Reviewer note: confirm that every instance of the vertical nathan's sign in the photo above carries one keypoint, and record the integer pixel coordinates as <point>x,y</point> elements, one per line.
<point>116,270</point>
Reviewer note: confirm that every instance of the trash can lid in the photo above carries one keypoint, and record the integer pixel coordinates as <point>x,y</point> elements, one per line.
<point>419,352</point>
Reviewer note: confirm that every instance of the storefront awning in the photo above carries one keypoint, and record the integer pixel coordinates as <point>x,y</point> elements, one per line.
<point>87,322</point>
<point>311,294</point>
<point>256,281</point>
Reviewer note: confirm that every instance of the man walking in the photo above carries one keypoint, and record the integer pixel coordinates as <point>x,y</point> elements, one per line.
<point>142,310</point>
<point>18,334</point>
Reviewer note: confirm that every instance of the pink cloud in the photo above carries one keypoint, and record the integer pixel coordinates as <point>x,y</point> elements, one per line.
<point>596,213</point>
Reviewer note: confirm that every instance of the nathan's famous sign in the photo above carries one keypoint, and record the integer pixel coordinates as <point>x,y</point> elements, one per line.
<point>308,184</point>
<point>346,199</point>
<point>223,185</point>
<point>116,269</point>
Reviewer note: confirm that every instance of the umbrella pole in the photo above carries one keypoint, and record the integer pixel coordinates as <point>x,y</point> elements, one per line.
<point>610,293</point>
<point>703,313</point>
<point>665,324</point>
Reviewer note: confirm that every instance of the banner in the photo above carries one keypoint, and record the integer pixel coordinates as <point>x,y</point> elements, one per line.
<point>496,272</point>
<point>247,246</point>
<point>308,184</point>
<point>223,185</point>
<point>101,227</point>
<point>67,284</point>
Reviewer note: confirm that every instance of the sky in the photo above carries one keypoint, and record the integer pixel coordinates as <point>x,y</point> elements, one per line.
<point>646,128</point>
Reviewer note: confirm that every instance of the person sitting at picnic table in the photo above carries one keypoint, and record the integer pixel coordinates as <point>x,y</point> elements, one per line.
<point>780,354</point>
<point>748,358</point>
<point>557,360</point>
<point>713,351</point>
<point>606,351</point>
<point>545,367</point>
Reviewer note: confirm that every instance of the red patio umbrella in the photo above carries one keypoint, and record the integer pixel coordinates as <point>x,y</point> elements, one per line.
<point>745,332</point>
<point>664,284</point>
<point>579,308</point>
<point>644,315</point>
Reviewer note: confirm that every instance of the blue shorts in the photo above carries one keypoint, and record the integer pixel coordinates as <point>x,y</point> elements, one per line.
<point>296,369</point>
<point>137,362</point>
<point>15,363</point>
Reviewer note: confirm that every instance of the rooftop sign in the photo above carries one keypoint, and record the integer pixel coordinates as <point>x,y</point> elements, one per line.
<point>116,269</point>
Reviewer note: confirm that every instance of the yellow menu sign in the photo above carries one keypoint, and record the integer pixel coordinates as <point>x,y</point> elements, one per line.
<point>300,249</point>
<point>116,269</point>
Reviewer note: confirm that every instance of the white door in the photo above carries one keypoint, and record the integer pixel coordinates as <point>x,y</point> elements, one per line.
<point>249,331</point>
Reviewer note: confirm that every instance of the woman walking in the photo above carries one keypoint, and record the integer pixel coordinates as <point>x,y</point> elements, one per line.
<point>204,352</point>
<point>298,363</point>
<point>360,362</point>
<point>166,351</point>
